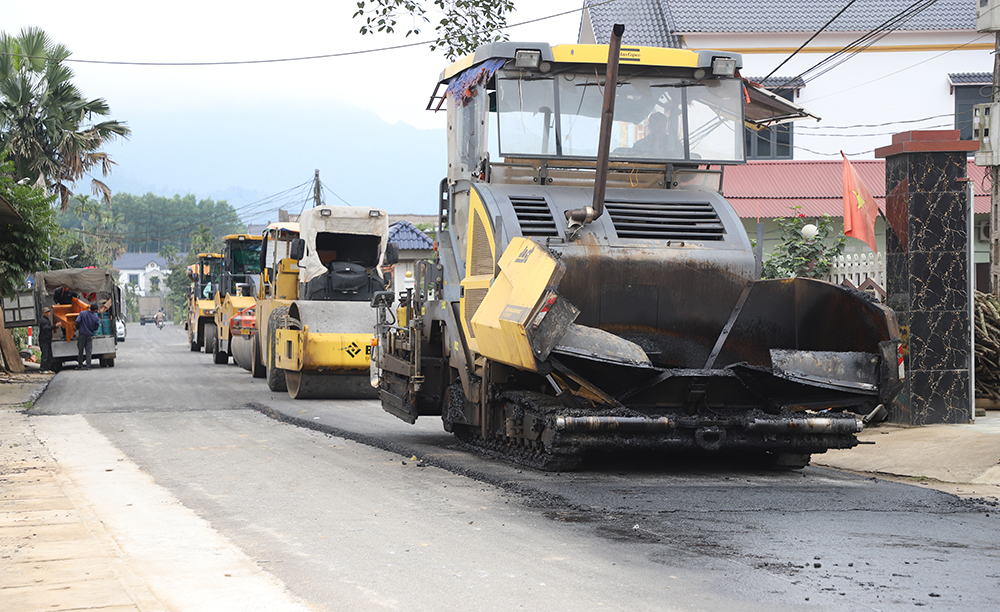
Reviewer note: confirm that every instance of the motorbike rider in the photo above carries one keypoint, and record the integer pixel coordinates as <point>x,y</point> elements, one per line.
<point>159,319</point>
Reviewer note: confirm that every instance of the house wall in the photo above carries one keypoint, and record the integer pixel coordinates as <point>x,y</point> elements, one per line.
<point>905,83</point>
<point>772,237</point>
<point>407,261</point>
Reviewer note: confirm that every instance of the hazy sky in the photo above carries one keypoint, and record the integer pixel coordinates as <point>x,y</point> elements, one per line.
<point>245,133</point>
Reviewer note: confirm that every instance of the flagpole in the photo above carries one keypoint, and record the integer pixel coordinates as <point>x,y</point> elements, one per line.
<point>995,187</point>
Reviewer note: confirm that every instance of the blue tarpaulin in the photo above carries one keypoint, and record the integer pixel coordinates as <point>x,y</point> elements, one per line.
<point>464,85</point>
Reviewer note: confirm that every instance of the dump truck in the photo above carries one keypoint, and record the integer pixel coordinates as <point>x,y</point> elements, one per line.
<point>315,326</point>
<point>593,289</point>
<point>148,307</point>
<point>205,275</point>
<point>91,286</point>
<point>241,254</point>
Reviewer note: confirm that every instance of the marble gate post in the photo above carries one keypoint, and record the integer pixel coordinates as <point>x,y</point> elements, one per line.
<point>927,270</point>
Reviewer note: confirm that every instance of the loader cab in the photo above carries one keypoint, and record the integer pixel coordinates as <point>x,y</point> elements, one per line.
<point>205,275</point>
<point>241,267</point>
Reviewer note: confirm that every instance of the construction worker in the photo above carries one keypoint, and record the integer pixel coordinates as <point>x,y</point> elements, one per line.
<point>45,329</point>
<point>86,325</point>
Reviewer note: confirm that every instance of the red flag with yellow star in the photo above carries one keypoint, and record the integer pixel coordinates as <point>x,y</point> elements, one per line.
<point>860,208</point>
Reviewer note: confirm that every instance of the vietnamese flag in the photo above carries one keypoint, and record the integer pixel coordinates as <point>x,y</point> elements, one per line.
<point>860,208</point>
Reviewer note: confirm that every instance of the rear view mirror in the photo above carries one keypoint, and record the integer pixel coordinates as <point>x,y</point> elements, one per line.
<point>391,254</point>
<point>298,249</point>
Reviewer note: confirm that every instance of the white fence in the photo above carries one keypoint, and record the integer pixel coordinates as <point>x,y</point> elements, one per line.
<point>857,267</point>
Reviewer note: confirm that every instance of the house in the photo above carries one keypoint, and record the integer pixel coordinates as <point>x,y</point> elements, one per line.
<point>140,269</point>
<point>770,189</point>
<point>906,69</point>
<point>903,69</point>
<point>414,245</point>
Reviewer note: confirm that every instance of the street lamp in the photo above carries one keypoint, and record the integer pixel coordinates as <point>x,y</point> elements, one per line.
<point>809,231</point>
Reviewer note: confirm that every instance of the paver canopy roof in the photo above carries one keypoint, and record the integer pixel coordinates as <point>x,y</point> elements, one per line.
<point>657,22</point>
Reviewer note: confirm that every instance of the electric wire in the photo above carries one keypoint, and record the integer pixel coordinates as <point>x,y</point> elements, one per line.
<point>861,43</point>
<point>308,57</point>
<point>803,46</point>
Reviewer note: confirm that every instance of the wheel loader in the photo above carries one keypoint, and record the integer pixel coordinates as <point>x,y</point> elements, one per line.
<point>240,270</point>
<point>315,327</point>
<point>593,290</point>
<point>205,275</point>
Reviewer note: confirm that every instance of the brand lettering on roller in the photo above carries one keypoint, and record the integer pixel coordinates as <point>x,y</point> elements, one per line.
<point>353,349</point>
<point>524,254</point>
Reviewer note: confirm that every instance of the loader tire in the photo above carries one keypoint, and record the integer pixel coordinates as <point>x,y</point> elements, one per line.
<point>275,377</point>
<point>218,356</point>
<point>210,333</point>
<point>257,369</point>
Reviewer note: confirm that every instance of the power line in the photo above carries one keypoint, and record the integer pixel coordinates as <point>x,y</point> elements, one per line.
<point>308,57</point>
<point>863,42</point>
<point>817,33</point>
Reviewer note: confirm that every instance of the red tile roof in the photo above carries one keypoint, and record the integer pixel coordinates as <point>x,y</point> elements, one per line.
<point>770,188</point>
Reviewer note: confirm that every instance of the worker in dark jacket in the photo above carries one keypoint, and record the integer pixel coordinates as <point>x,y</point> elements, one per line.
<point>86,326</point>
<point>45,329</point>
<point>64,296</point>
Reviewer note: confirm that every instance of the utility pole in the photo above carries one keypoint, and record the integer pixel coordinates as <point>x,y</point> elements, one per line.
<point>317,193</point>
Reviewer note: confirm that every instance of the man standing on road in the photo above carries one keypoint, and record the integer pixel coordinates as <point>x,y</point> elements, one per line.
<point>45,329</point>
<point>86,325</point>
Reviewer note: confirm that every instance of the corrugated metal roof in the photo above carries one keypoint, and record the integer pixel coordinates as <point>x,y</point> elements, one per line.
<point>770,188</point>
<point>649,18</point>
<point>409,237</point>
<point>971,78</point>
<point>783,82</point>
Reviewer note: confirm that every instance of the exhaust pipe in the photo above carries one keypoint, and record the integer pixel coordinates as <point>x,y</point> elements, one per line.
<point>579,217</point>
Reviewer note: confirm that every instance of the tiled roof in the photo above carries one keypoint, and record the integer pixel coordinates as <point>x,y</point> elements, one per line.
<point>138,261</point>
<point>409,237</point>
<point>647,22</point>
<point>971,78</point>
<point>648,18</point>
<point>770,188</point>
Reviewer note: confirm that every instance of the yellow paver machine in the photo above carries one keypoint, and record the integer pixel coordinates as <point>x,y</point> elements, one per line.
<point>594,290</point>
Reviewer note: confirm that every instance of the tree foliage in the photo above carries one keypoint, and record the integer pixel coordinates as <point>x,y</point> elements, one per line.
<point>24,247</point>
<point>799,257</point>
<point>47,128</point>
<point>463,25</point>
<point>150,223</point>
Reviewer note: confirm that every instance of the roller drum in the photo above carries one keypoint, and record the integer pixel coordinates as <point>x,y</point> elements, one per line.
<point>312,384</point>
<point>241,349</point>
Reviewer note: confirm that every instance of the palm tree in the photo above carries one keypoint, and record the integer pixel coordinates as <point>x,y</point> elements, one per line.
<point>47,127</point>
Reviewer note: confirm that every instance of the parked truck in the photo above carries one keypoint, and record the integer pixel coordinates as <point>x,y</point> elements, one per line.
<point>91,286</point>
<point>148,307</point>
<point>594,290</point>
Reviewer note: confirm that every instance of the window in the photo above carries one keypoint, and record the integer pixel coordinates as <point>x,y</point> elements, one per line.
<point>133,279</point>
<point>774,142</point>
<point>969,89</point>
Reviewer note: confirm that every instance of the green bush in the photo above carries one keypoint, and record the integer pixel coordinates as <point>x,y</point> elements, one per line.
<point>798,257</point>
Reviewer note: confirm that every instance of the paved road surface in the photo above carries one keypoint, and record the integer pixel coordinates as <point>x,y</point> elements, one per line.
<point>214,501</point>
